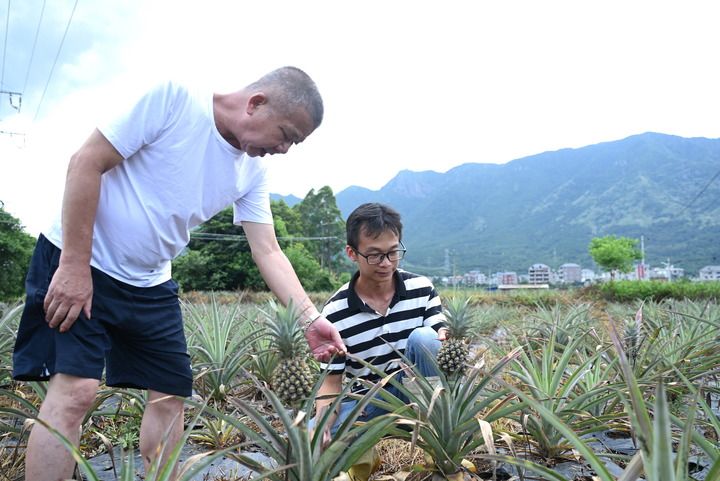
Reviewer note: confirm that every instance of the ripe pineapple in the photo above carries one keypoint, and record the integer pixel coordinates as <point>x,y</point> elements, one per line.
<point>292,379</point>
<point>453,355</point>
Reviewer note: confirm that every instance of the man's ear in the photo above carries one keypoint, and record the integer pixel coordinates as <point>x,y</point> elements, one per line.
<point>255,101</point>
<point>351,253</point>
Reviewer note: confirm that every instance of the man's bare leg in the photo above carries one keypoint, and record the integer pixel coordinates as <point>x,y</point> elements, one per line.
<point>68,400</point>
<point>162,427</point>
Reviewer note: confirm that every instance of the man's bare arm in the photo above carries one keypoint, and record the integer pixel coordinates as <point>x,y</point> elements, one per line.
<point>70,290</point>
<point>279,275</point>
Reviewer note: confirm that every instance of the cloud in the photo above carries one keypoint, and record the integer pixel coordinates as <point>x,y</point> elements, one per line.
<point>407,84</point>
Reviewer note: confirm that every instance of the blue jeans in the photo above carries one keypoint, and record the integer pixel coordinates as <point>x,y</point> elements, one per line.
<point>421,343</point>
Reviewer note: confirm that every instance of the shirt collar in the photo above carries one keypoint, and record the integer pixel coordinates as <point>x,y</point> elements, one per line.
<point>354,301</point>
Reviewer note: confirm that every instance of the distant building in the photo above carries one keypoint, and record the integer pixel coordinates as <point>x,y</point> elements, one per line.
<point>507,278</point>
<point>710,273</point>
<point>587,275</point>
<point>539,274</point>
<point>474,278</point>
<point>667,273</point>
<point>452,280</point>
<point>570,273</point>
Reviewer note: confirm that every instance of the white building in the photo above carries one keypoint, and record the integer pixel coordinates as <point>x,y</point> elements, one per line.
<point>474,278</point>
<point>587,275</point>
<point>710,273</point>
<point>507,278</point>
<point>667,273</point>
<point>570,273</point>
<point>539,274</point>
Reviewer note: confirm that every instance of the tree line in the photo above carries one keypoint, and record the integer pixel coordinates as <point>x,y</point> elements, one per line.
<point>311,233</point>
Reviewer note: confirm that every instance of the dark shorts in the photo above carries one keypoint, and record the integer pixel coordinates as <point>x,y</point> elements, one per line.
<point>135,333</point>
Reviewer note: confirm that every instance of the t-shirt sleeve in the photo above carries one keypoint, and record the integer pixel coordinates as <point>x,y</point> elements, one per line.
<point>142,121</point>
<point>254,205</point>
<point>434,316</point>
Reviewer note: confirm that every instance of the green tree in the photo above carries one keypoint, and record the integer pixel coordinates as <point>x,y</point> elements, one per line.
<point>615,253</point>
<point>16,248</point>
<point>322,218</point>
<point>289,225</point>
<point>218,258</point>
<point>287,220</point>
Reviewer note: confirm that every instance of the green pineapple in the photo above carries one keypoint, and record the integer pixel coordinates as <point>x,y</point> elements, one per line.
<point>453,355</point>
<point>293,379</point>
<point>633,336</point>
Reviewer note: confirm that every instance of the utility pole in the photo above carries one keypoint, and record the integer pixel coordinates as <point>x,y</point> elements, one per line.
<point>15,105</point>
<point>10,95</point>
<point>668,269</point>
<point>641,273</point>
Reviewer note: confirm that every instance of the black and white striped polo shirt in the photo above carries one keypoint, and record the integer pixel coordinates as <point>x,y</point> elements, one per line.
<point>372,336</point>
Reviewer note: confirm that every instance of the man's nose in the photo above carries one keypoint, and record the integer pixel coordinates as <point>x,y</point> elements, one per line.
<point>283,148</point>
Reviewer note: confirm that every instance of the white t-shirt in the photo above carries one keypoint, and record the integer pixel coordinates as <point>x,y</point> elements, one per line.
<point>178,172</point>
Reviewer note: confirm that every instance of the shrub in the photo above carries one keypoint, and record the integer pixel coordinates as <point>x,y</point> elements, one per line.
<point>624,291</point>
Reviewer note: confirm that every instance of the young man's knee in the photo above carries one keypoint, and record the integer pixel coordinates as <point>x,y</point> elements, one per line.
<point>425,337</point>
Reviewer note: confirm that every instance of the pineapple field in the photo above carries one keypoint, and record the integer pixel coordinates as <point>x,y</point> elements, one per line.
<point>554,386</point>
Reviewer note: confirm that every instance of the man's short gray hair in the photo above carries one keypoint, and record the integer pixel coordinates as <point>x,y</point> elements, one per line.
<point>290,87</point>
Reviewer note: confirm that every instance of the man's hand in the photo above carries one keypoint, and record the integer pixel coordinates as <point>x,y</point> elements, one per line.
<point>326,436</point>
<point>324,340</point>
<point>69,293</point>
<point>442,334</point>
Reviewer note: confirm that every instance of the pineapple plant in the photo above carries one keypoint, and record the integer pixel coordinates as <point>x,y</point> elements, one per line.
<point>453,354</point>
<point>292,379</point>
<point>633,336</point>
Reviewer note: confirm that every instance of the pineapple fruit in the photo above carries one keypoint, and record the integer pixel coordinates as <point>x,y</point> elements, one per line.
<point>293,379</point>
<point>453,354</point>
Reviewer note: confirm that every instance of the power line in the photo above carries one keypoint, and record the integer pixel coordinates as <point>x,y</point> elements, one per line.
<point>703,189</point>
<point>67,27</point>
<point>7,27</point>
<point>242,238</point>
<point>32,53</point>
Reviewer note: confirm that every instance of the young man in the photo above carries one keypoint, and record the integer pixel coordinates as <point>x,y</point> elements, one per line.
<point>381,311</point>
<point>99,289</point>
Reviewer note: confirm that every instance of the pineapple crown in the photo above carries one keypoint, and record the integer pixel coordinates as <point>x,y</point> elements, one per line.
<point>286,335</point>
<point>460,319</point>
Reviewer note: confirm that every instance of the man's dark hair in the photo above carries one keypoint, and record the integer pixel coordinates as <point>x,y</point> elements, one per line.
<point>373,219</point>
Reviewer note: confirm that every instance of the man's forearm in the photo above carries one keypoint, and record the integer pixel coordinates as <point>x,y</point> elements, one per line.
<point>82,191</point>
<point>282,280</point>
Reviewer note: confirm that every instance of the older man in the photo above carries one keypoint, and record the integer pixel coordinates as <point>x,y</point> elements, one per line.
<point>99,289</point>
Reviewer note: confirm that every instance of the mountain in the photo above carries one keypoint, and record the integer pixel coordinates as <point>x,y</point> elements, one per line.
<point>290,200</point>
<point>547,207</point>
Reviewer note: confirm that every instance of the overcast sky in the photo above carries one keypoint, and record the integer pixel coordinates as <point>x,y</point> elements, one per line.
<point>407,84</point>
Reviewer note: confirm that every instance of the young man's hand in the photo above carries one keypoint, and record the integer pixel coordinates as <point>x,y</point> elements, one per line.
<point>442,334</point>
<point>324,340</point>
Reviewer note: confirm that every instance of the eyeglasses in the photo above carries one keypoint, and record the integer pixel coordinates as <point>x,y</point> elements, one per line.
<point>392,256</point>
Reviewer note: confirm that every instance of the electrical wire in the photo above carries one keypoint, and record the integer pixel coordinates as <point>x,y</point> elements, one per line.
<point>703,189</point>
<point>7,27</point>
<point>57,55</point>
<point>242,238</point>
<point>32,53</point>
